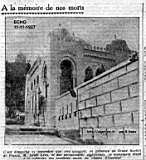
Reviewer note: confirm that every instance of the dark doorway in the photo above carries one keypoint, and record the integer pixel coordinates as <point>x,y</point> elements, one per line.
<point>66,78</point>
<point>100,70</point>
<point>88,74</point>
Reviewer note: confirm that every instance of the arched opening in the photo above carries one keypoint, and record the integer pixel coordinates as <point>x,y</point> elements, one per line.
<point>66,77</point>
<point>88,74</point>
<point>100,70</point>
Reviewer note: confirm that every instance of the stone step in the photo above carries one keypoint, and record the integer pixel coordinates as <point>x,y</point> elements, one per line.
<point>31,130</point>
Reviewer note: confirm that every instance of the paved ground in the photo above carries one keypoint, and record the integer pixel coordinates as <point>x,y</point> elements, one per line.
<point>12,137</point>
<point>35,139</point>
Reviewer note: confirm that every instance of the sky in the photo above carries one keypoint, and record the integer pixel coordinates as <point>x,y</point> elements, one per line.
<point>96,31</point>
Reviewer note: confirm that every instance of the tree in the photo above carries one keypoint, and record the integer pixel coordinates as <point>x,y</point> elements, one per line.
<point>15,84</point>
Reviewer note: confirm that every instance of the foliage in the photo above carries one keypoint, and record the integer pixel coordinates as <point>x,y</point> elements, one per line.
<point>15,84</point>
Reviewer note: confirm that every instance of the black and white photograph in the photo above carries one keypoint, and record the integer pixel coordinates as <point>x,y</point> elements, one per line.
<point>72,80</point>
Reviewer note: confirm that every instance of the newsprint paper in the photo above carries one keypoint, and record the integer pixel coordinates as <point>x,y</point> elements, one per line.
<point>72,80</point>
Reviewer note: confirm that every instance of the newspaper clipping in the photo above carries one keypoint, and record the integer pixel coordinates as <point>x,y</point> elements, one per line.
<point>72,80</point>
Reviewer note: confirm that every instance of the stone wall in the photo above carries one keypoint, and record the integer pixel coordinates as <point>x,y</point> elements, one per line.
<point>109,104</point>
<point>107,107</point>
<point>66,112</point>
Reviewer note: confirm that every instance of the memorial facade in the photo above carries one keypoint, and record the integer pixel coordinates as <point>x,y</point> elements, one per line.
<point>68,62</point>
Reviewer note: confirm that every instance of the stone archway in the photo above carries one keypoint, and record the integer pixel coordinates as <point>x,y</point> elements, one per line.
<point>66,76</point>
<point>100,70</point>
<point>88,74</point>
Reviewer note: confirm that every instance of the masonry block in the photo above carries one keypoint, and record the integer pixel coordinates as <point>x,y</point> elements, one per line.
<point>117,73</point>
<point>86,87</point>
<point>132,66</point>
<point>103,99</point>
<point>136,117</point>
<point>102,80</point>
<point>123,119</point>
<point>134,90</point>
<point>96,91</point>
<point>98,111</point>
<point>106,121</point>
<point>85,113</point>
<point>119,94</point>
<point>84,95</point>
<point>80,91</point>
<point>91,102</point>
<point>87,133</point>
<point>115,135</point>
<point>131,134</point>
<point>81,105</point>
<point>112,108</point>
<point>131,104</point>
<point>100,135</point>
<point>129,78</point>
<point>92,84</point>
<point>109,86</point>
<point>92,122</point>
<point>83,123</point>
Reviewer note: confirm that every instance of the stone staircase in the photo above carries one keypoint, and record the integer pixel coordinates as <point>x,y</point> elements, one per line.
<point>31,130</point>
